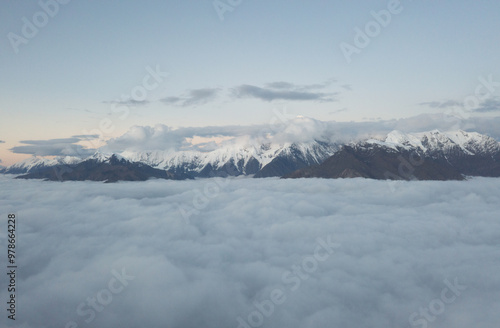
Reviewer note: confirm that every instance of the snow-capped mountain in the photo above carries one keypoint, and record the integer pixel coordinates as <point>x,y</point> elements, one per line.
<point>423,156</point>
<point>36,163</point>
<point>470,153</point>
<point>101,167</point>
<point>436,143</point>
<point>262,160</point>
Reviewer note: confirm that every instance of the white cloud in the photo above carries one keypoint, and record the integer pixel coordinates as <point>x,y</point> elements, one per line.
<point>193,97</point>
<point>298,129</point>
<point>283,91</point>
<point>396,248</point>
<point>56,147</point>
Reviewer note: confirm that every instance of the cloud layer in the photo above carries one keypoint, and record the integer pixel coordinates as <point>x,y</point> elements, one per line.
<point>56,147</point>
<point>287,128</point>
<point>395,244</point>
<point>283,128</point>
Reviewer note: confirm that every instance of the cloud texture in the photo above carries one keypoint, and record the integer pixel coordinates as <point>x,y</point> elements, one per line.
<point>284,91</point>
<point>285,127</point>
<point>396,244</point>
<point>193,97</point>
<point>56,147</point>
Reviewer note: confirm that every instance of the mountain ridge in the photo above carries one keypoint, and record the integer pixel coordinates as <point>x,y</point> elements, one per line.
<point>470,153</point>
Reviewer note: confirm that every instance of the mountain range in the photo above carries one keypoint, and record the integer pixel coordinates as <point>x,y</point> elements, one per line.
<point>432,155</point>
<point>99,167</point>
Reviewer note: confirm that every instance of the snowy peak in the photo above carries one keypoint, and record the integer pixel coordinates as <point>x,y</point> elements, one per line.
<point>35,163</point>
<point>272,157</point>
<point>105,158</point>
<point>468,143</point>
<point>234,159</point>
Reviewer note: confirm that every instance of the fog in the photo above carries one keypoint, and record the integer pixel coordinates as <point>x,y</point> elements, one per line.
<point>247,252</point>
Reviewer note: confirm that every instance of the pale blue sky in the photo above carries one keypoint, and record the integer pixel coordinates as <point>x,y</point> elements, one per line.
<point>64,80</point>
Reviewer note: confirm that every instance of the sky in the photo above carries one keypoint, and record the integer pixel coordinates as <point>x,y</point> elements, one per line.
<point>81,69</point>
<point>265,252</point>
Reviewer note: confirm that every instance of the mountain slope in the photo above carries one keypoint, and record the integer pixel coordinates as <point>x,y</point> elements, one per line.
<point>101,168</point>
<point>35,163</point>
<point>430,155</point>
<point>378,162</point>
<point>262,160</point>
<point>472,154</point>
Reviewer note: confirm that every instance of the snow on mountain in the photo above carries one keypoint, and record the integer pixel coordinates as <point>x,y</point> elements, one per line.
<point>101,157</point>
<point>282,153</point>
<point>468,143</point>
<point>36,163</point>
<point>241,159</point>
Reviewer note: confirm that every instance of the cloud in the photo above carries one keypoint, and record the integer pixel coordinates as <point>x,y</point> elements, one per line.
<point>86,136</point>
<point>55,147</point>
<point>280,85</point>
<point>288,128</point>
<point>392,252</point>
<point>489,105</point>
<point>193,97</point>
<point>338,111</point>
<point>144,138</point>
<point>162,137</point>
<point>291,86</point>
<point>281,93</point>
<point>272,91</point>
<point>442,104</point>
<point>128,102</point>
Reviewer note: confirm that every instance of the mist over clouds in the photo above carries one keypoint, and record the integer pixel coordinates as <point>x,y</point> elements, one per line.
<point>395,244</point>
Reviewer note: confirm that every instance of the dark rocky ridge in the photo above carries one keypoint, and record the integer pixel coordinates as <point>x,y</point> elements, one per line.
<point>113,170</point>
<point>378,162</point>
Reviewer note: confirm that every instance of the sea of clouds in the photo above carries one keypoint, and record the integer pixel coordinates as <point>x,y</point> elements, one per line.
<point>254,253</point>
